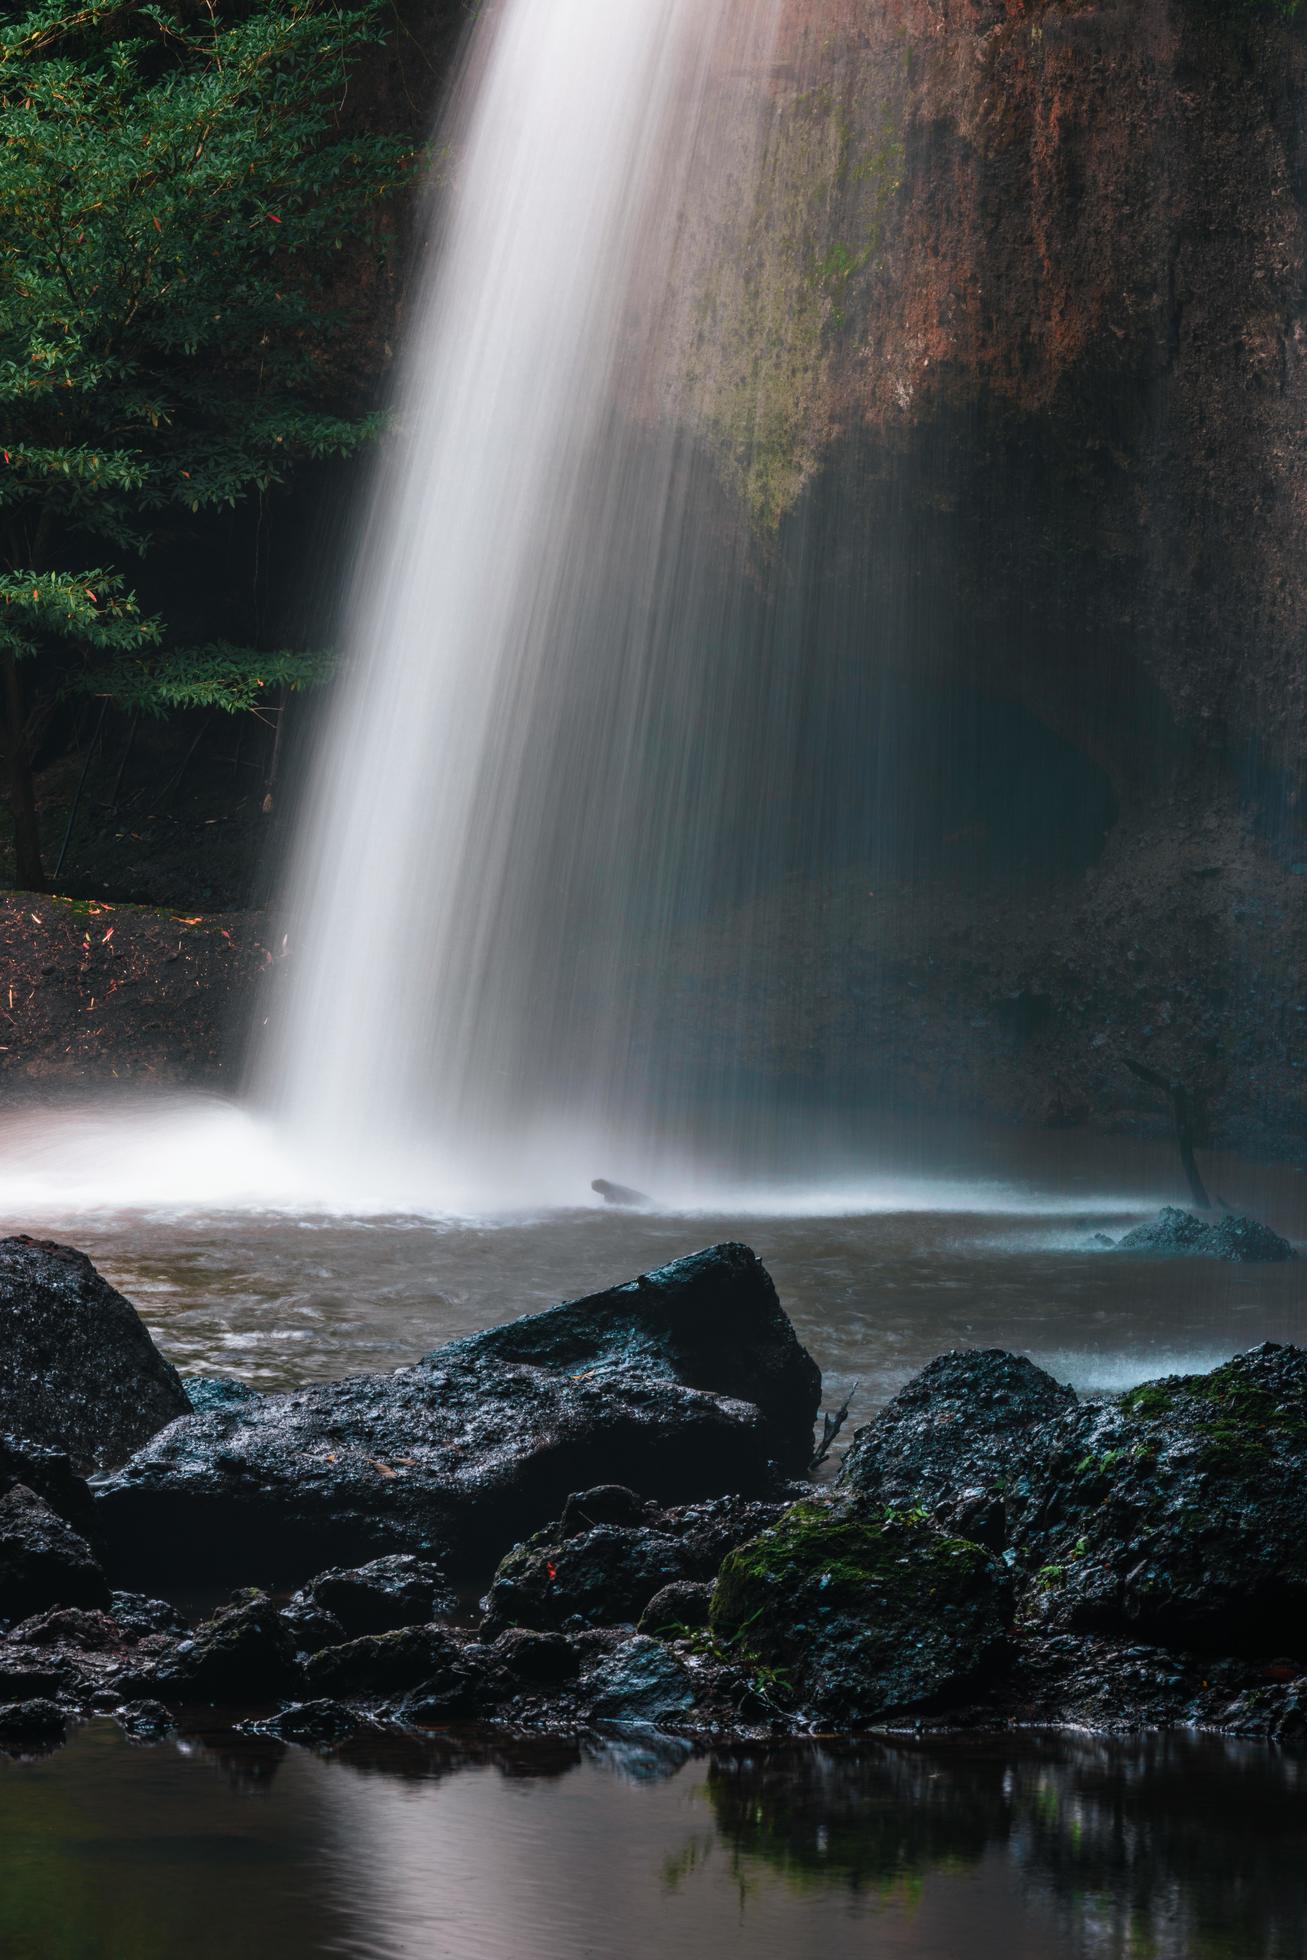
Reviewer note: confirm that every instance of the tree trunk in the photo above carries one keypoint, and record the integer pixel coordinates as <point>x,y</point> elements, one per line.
<point>29,871</point>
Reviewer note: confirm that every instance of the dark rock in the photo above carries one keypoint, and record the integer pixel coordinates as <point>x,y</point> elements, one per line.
<point>540,1659</point>
<point>855,1620</point>
<point>1245,1241</point>
<point>51,1475</point>
<point>640,1682</point>
<point>1242,1240</point>
<point>605,1504</point>
<point>399,1591</point>
<point>317,1723</point>
<point>599,1578</point>
<point>43,1561</point>
<point>145,1721</point>
<point>206,1392</point>
<point>80,1628</point>
<point>136,1615</point>
<point>78,1370</point>
<point>1177,1514</point>
<point>244,1653</point>
<point>310,1627</point>
<point>618,1194</point>
<point>37,1720</point>
<point>573,1574</point>
<point>684,1604</point>
<point>390,1664</point>
<point>683,1383</point>
<point>958,1439</point>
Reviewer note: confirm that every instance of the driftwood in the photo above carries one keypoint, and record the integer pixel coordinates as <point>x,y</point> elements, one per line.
<point>831,1427</point>
<point>1184,1133</point>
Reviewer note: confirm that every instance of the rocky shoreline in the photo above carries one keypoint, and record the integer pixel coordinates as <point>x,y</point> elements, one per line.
<point>605,1515</point>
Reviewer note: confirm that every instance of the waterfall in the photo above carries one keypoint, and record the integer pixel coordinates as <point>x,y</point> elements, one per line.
<point>539,763</point>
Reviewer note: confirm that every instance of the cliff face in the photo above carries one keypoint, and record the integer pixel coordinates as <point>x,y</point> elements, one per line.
<point>1018,328</point>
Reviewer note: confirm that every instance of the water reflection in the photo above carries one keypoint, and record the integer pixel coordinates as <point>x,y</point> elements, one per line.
<point>474,1845</point>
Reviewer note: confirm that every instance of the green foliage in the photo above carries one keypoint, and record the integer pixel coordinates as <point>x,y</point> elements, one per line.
<point>175,203</point>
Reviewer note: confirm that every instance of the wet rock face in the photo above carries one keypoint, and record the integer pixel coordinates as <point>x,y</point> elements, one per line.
<point>1243,1241</point>
<point>1177,1515</point>
<point>958,1439</point>
<point>78,1370</point>
<point>858,1621</point>
<point>43,1561</point>
<point>686,1382</point>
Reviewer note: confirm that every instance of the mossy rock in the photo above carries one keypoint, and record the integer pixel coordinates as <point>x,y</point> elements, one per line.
<point>1177,1514</point>
<point>857,1620</point>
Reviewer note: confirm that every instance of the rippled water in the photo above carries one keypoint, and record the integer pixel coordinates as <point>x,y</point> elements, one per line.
<point>1027,1847</point>
<point>985,1242</point>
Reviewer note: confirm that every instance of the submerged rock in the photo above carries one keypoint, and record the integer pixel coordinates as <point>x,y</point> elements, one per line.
<point>43,1561</point>
<point>1244,1241</point>
<point>1177,1514</point>
<point>856,1621</point>
<point>686,1382</point>
<point>78,1370</point>
<point>618,1194</point>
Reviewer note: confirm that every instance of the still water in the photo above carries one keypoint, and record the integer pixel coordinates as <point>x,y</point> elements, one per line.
<point>1030,1847</point>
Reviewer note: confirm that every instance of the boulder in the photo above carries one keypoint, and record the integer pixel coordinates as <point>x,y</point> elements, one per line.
<point>854,1621</point>
<point>1176,1515</point>
<point>37,1720</point>
<point>43,1561</point>
<point>78,1370</point>
<point>604,1574</point>
<point>687,1382</point>
<point>641,1682</point>
<point>51,1475</point>
<point>399,1591</point>
<point>244,1653</point>
<point>959,1439</point>
<point>388,1664</point>
<point>1244,1241</point>
<point>684,1604</point>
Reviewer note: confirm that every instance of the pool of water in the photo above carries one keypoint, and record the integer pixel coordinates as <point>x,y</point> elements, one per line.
<point>1025,1847</point>
<point>992,1248</point>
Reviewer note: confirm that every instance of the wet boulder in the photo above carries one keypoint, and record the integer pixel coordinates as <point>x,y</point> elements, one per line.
<point>1176,1515</point>
<point>244,1653</point>
<point>1243,1241</point>
<point>960,1439</point>
<point>399,1591</point>
<point>78,1370</point>
<point>576,1573</point>
<point>641,1682</point>
<point>685,1383</point>
<point>50,1474</point>
<point>685,1604</point>
<point>43,1561</point>
<point>390,1664</point>
<point>853,1620</point>
<point>38,1720</point>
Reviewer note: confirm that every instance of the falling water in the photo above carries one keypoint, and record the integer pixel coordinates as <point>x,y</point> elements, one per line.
<point>540,742</point>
